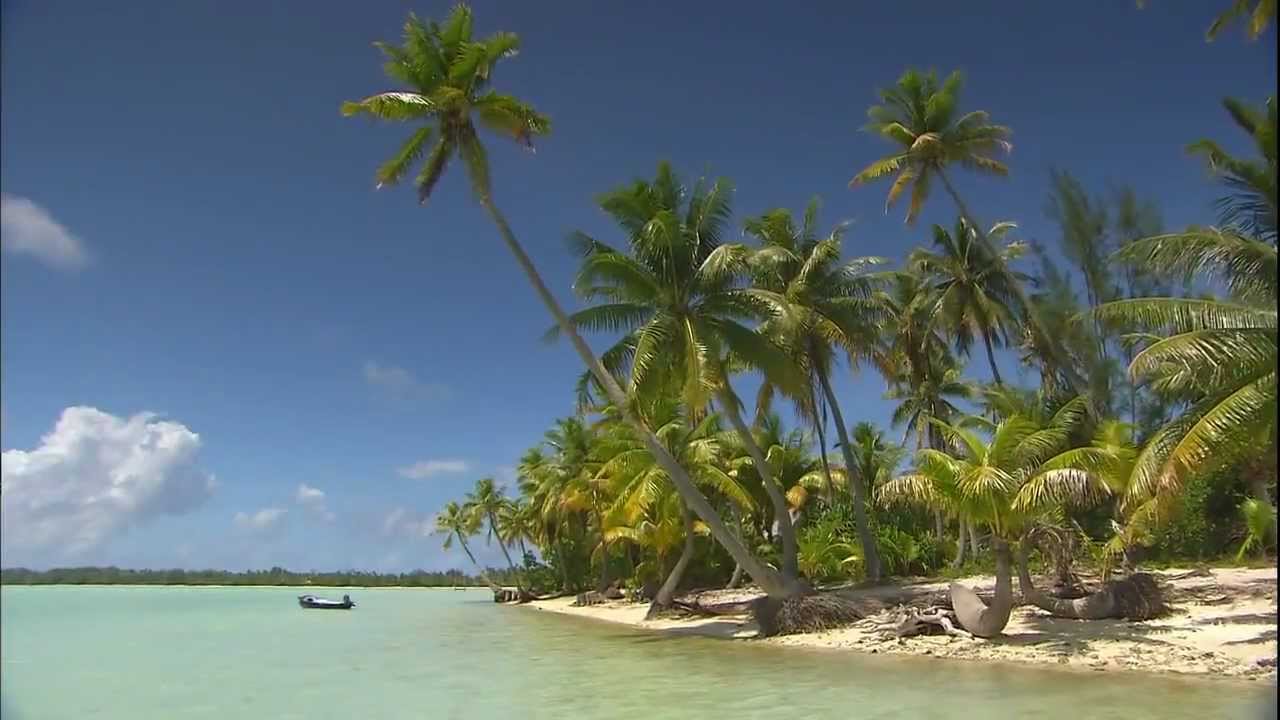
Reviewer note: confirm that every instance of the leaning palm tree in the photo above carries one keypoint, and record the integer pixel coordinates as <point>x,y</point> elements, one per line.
<point>677,295</point>
<point>976,291</point>
<point>1007,483</point>
<point>919,115</point>
<point>485,502</point>
<point>445,75</point>
<point>651,514</point>
<point>456,522</point>
<point>822,307</point>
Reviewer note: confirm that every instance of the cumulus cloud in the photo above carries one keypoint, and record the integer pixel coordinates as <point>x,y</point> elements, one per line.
<point>407,523</point>
<point>93,477</point>
<point>264,519</point>
<point>313,499</point>
<point>26,228</point>
<point>396,382</point>
<point>424,469</point>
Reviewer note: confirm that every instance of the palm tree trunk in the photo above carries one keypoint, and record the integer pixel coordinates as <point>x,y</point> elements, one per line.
<point>667,592</point>
<point>604,554</point>
<point>781,512</point>
<point>973,541</point>
<point>959,547</point>
<point>856,488</point>
<point>566,586</point>
<point>736,578</point>
<point>991,357</point>
<point>514,572</point>
<point>483,575</point>
<point>819,424</point>
<point>772,582</point>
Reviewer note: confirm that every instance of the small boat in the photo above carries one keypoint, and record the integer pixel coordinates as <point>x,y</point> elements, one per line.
<point>311,602</point>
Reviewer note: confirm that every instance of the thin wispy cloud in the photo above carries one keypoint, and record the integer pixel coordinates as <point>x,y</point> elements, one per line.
<point>28,229</point>
<point>424,469</point>
<point>313,500</point>
<point>264,519</point>
<point>397,382</point>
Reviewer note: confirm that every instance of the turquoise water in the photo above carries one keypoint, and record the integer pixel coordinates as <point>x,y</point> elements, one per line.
<point>180,653</point>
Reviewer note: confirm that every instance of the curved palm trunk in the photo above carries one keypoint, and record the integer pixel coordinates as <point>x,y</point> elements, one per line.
<point>781,511</point>
<point>856,487</point>
<point>1095,606</point>
<point>975,615</point>
<point>667,592</point>
<point>974,547</point>
<point>770,580</point>
<point>565,585</point>
<point>515,572</point>
<point>483,575</point>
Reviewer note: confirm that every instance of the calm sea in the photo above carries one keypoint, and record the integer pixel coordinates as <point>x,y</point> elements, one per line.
<point>179,653</point>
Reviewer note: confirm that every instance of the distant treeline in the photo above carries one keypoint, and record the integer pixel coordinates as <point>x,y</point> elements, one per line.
<point>274,576</point>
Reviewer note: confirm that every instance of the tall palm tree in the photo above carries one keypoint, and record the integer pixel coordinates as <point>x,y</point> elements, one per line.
<point>486,501</point>
<point>920,116</point>
<point>456,522</point>
<point>822,307</point>
<point>447,74</point>
<point>975,289</point>
<point>677,296</point>
<point>1008,483</point>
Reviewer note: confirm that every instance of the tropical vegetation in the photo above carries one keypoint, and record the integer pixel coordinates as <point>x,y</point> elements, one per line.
<point>1153,403</point>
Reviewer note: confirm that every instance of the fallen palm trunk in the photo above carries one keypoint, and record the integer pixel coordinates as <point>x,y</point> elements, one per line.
<point>1136,597</point>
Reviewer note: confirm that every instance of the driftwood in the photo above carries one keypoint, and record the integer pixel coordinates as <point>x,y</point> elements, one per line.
<point>929,621</point>
<point>502,595</point>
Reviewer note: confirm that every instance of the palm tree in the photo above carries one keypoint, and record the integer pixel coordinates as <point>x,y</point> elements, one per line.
<point>678,298</point>
<point>1026,470</point>
<point>485,502</point>
<point>447,74</point>
<point>821,307</point>
<point>1251,205</point>
<point>1220,355</point>
<point>650,513</point>
<point>456,522</point>
<point>974,290</point>
<point>920,117</point>
<point>1217,355</point>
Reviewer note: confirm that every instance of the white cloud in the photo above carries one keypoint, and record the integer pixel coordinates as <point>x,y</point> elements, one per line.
<point>264,519</point>
<point>25,227</point>
<point>93,477</point>
<point>313,499</point>
<point>399,383</point>
<point>424,469</point>
<point>406,523</point>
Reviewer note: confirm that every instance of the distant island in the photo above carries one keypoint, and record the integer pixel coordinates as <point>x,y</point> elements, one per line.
<point>275,576</point>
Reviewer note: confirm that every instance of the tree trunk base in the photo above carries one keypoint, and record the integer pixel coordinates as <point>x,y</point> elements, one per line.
<point>803,613</point>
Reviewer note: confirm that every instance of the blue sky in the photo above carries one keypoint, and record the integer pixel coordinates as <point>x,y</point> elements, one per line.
<point>232,269</point>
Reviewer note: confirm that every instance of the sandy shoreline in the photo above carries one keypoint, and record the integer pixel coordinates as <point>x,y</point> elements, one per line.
<point>1222,625</point>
